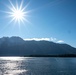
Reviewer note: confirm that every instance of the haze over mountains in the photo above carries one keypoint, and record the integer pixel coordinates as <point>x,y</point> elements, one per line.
<point>16,46</point>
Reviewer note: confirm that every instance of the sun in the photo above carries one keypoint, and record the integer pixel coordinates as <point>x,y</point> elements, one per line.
<point>18,13</point>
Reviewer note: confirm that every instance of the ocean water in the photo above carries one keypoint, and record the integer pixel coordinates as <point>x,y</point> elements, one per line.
<point>37,66</point>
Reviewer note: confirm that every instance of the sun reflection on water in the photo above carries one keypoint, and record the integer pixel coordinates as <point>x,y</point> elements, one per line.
<point>11,58</point>
<point>12,66</point>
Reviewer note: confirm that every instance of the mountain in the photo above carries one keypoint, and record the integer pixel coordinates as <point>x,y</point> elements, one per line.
<point>16,46</point>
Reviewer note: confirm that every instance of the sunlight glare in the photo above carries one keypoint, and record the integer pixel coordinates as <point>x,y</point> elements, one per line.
<point>18,12</point>
<point>11,58</point>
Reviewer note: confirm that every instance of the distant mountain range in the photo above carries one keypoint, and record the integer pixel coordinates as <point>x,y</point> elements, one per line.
<point>16,46</point>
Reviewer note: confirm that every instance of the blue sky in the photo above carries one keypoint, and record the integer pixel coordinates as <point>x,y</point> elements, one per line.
<point>47,19</point>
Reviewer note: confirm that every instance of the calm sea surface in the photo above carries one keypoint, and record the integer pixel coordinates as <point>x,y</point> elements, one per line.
<point>37,66</point>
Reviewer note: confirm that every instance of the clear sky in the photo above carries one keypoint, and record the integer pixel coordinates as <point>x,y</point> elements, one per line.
<point>46,19</point>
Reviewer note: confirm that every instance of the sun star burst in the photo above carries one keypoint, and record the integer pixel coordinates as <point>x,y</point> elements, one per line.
<point>18,13</point>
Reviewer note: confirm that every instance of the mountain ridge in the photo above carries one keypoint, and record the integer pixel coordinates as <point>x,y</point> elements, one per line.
<point>16,46</point>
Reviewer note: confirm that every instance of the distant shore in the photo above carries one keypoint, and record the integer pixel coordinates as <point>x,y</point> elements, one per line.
<point>63,55</point>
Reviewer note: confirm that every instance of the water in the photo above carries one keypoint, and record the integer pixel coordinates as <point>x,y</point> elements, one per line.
<point>37,66</point>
